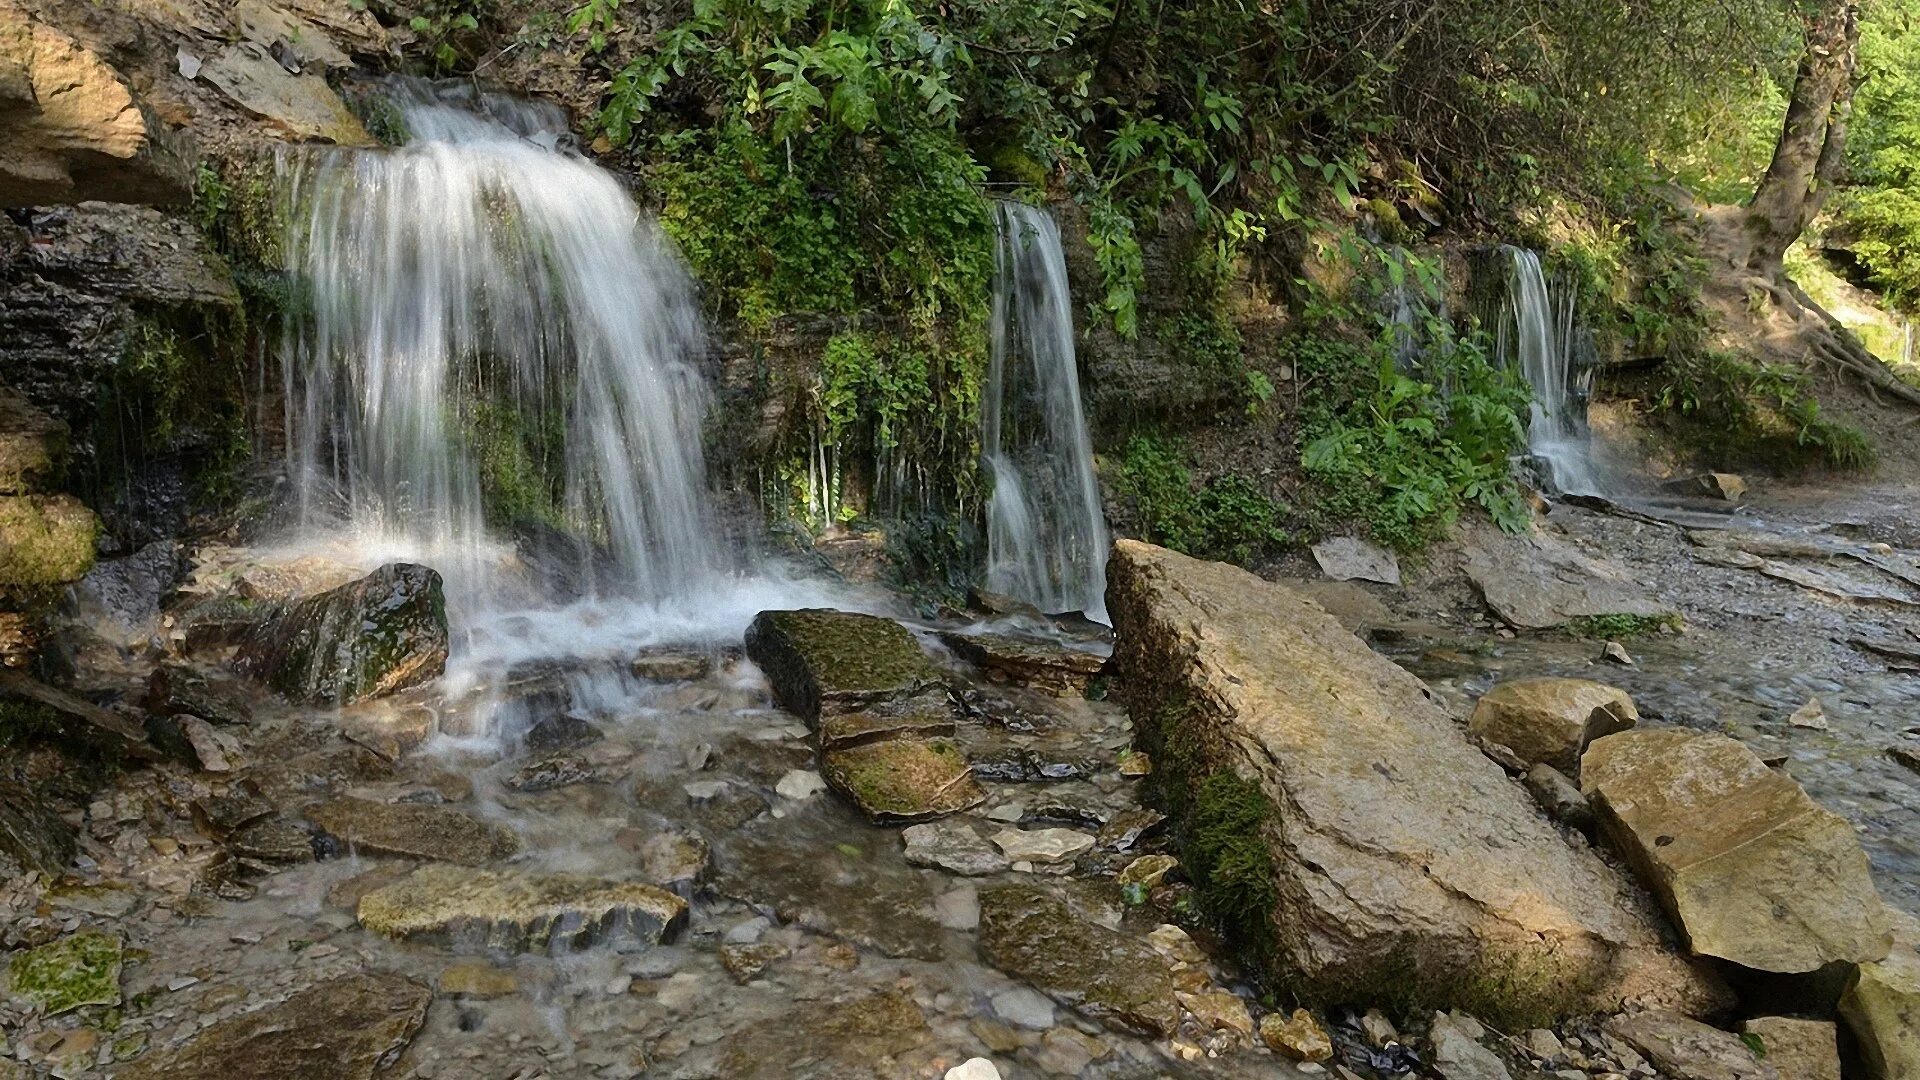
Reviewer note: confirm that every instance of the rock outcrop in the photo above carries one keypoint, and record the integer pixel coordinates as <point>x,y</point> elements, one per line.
<point>385,632</point>
<point>1549,720</point>
<point>1751,869</point>
<point>820,660</point>
<point>350,1028</point>
<point>1371,845</point>
<point>1687,1049</point>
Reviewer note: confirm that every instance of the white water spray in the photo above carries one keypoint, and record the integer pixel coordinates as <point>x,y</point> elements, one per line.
<point>1046,533</point>
<point>1536,336</point>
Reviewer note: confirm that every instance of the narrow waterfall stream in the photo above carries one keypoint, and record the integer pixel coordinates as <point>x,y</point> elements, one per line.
<point>1046,533</point>
<point>1536,336</point>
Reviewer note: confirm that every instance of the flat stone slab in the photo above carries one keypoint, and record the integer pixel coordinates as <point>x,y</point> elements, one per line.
<point>924,715</point>
<point>1536,582</point>
<point>1550,721</point>
<point>1047,666</point>
<point>1404,858</point>
<point>1111,977</point>
<point>513,911</point>
<point>903,780</point>
<point>818,658</point>
<point>350,1028</point>
<point>414,830</point>
<point>1751,869</point>
<point>1682,1047</point>
<point>954,846</point>
<point>1347,558</point>
<point>62,975</point>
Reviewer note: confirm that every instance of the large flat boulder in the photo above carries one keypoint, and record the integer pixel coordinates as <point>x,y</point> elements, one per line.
<point>1538,582</point>
<point>1338,818</point>
<point>823,661</point>
<point>1751,869</point>
<point>350,1028</point>
<point>414,830</point>
<point>1550,721</point>
<point>514,910</point>
<point>382,633</point>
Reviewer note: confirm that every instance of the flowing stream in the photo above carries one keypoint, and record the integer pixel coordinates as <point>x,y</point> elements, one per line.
<point>1046,533</point>
<point>1536,336</point>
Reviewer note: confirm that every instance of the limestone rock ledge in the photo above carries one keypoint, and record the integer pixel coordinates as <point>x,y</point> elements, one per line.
<point>1342,822</point>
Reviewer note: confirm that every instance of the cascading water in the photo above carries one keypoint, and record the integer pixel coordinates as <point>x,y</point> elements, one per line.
<point>1536,336</point>
<point>1046,533</point>
<point>465,289</point>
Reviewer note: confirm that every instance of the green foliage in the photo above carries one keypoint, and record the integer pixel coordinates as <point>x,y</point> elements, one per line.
<point>440,25</point>
<point>1226,853</point>
<point>1882,210</point>
<point>1228,518</point>
<point>517,454</point>
<point>1619,627</point>
<point>1741,411</point>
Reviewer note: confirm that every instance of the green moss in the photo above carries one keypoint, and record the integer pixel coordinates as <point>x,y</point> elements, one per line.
<point>1226,853</point>
<point>901,778</point>
<point>841,652</point>
<point>25,721</point>
<point>83,969</point>
<point>518,454</point>
<point>1620,627</point>
<point>1227,518</point>
<point>44,541</point>
<point>1731,412</point>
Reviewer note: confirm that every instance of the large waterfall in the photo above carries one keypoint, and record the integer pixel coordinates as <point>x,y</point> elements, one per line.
<point>1046,534</point>
<point>482,306</point>
<point>1536,335</point>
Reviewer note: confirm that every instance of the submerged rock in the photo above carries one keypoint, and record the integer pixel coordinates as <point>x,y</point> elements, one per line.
<point>1550,721</point>
<point>855,1038</point>
<point>350,1028</point>
<point>60,976</point>
<point>782,870</point>
<point>1751,869</point>
<point>820,659</point>
<point>671,665</point>
<point>1048,666</point>
<point>954,846</point>
<point>1106,975</point>
<point>384,632</point>
<point>1687,1049</point>
<point>1405,860</point>
<point>515,911</point>
<point>903,780</point>
<point>414,830</point>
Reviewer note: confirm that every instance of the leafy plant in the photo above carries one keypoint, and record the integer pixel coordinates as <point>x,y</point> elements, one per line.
<point>1226,518</point>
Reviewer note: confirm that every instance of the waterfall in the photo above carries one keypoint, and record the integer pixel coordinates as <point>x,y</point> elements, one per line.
<point>479,278</point>
<point>1536,335</point>
<point>1046,534</point>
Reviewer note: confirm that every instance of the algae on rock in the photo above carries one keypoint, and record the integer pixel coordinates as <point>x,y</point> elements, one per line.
<point>60,976</point>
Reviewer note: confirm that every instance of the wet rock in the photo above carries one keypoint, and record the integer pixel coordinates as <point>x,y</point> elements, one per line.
<point>1345,558</point>
<point>1908,756</point>
<point>1559,797</point>
<point>174,689</point>
<point>1067,1052</point>
<point>282,580</point>
<point>954,846</point>
<point>1042,845</point>
<point>1727,487</point>
<point>1798,1049</point>
<point>748,962</point>
<point>800,785</point>
<point>1125,829</point>
<point>1299,1036</point>
<point>1106,975</point>
<point>63,975</point>
<point>1147,871</point>
<point>551,772</point>
<point>674,860</point>
<point>349,1028</point>
<point>216,752</point>
<point>1551,720</point>
<point>1881,1007</point>
<point>33,445</point>
<point>974,1069</point>
<point>1686,1049</point>
<point>1616,653</point>
<point>122,597</point>
<point>1404,857</point>
<point>841,892</point>
<point>108,901</point>
<point>1751,869</point>
<point>32,836</point>
<point>414,831</point>
<point>1457,1053</point>
<point>821,659</point>
<point>851,1039</point>
<point>45,540</point>
<point>1535,582</point>
<point>382,633</point>
<point>671,665</point>
<point>513,911</point>
<point>220,815</point>
<point>302,106</point>
<point>1024,1007</point>
<point>272,840</point>
<point>562,731</point>
<point>477,981</point>
<point>903,780</point>
<point>1811,715</point>
<point>925,715</point>
<point>1047,666</point>
<point>217,623</point>
<point>27,704</point>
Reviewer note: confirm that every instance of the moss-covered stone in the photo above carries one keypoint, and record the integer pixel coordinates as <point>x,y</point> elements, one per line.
<point>383,633</point>
<point>818,658</point>
<point>414,830</point>
<point>44,540</point>
<point>1060,670</point>
<point>514,911</point>
<point>1111,977</point>
<point>31,444</point>
<point>348,1028</point>
<point>60,976</point>
<point>903,780</point>
<point>923,716</point>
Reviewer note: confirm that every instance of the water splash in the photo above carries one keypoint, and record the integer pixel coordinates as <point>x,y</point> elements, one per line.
<point>465,289</point>
<point>1536,336</point>
<point>1046,534</point>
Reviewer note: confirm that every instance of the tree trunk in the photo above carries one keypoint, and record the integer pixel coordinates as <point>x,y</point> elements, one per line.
<point>1808,158</point>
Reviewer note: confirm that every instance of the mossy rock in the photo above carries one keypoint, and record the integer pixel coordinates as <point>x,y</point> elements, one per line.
<point>63,975</point>
<point>32,444</point>
<point>903,780</point>
<point>382,633</point>
<point>819,659</point>
<point>1109,976</point>
<point>44,540</point>
<point>414,830</point>
<point>515,911</point>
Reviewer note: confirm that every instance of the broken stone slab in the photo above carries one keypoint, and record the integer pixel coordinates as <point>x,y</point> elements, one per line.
<point>216,751</point>
<point>382,633</point>
<point>516,911</point>
<point>819,659</point>
<point>174,689</point>
<point>1106,975</point>
<point>1798,1049</point>
<point>1751,870</point>
<point>1042,845</point>
<point>45,540</point>
<point>29,704</point>
<point>1551,720</point>
<point>1826,580</point>
<point>671,665</point>
<point>1348,558</point>
<point>954,846</point>
<point>1047,666</point>
<point>1686,1049</point>
<point>1881,1007</point>
<point>303,106</point>
<point>925,715</point>
<point>903,780</point>
<point>414,830</point>
<point>1536,582</point>
<point>1404,858</point>
<point>1725,486</point>
<point>65,974</point>
<point>350,1028</point>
